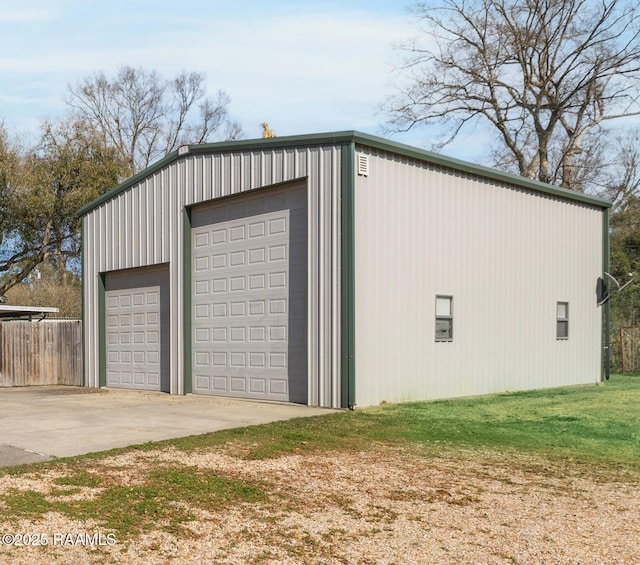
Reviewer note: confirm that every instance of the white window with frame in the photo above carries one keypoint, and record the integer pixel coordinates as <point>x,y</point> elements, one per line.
<point>444,318</point>
<point>562,320</point>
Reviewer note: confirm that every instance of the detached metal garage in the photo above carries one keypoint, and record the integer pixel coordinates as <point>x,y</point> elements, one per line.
<point>340,270</point>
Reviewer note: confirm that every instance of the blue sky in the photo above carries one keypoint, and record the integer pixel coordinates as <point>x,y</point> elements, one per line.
<point>304,67</point>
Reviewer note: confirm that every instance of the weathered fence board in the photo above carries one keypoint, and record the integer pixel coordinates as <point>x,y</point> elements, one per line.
<point>48,352</point>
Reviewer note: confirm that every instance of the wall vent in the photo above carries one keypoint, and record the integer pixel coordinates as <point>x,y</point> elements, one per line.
<point>363,165</point>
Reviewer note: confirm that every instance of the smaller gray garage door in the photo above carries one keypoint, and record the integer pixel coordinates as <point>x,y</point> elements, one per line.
<point>134,330</point>
<point>133,338</point>
<point>249,276</point>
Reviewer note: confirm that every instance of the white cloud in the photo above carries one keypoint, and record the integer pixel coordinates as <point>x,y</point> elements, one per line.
<point>302,71</point>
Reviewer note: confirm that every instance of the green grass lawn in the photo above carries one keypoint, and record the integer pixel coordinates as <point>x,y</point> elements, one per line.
<point>598,424</point>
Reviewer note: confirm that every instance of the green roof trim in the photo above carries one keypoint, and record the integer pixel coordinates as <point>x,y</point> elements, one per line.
<point>343,137</point>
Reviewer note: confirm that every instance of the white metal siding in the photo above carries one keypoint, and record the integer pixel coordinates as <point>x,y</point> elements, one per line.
<point>144,226</point>
<point>504,254</point>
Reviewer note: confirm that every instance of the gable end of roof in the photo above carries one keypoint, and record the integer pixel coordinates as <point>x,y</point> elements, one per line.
<point>340,138</point>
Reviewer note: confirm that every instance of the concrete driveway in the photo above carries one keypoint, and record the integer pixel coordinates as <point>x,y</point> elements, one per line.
<point>41,423</point>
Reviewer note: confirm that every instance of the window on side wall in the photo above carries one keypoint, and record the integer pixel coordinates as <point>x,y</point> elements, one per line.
<point>444,318</point>
<point>562,320</point>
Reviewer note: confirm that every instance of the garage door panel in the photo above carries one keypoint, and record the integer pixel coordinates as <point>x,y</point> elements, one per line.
<point>133,339</point>
<point>240,311</point>
<point>258,386</point>
<point>219,385</point>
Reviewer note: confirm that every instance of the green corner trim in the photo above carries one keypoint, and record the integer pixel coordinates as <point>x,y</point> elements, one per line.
<point>186,299</point>
<point>348,388</point>
<point>102,338</point>
<point>82,305</point>
<point>606,309</point>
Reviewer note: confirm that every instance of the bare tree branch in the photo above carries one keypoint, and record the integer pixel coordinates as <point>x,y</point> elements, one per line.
<point>543,74</point>
<point>146,117</point>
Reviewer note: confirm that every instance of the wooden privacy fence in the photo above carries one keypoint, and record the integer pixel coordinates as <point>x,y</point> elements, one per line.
<point>48,352</point>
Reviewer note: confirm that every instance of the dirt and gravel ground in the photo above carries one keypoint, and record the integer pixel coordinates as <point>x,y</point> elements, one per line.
<point>385,505</point>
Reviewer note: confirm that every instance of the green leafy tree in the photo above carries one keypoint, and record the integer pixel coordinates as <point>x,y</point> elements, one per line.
<point>43,189</point>
<point>9,163</point>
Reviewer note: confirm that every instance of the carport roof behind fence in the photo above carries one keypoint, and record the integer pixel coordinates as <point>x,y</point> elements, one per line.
<point>12,312</point>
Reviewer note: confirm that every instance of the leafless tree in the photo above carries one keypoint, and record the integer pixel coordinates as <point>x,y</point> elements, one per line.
<point>621,184</point>
<point>146,117</point>
<point>547,75</point>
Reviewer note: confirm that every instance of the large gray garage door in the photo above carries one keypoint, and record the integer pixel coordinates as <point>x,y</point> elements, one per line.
<point>136,332</point>
<point>249,304</point>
